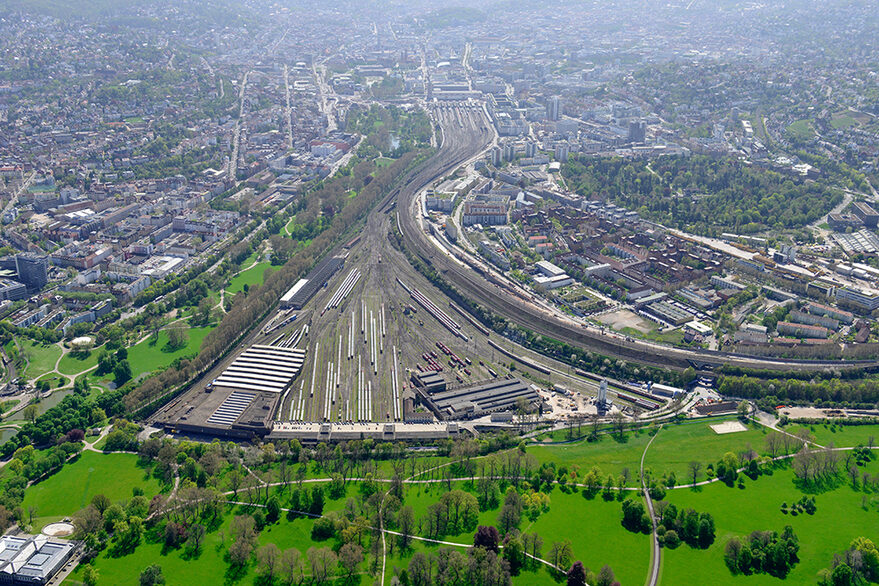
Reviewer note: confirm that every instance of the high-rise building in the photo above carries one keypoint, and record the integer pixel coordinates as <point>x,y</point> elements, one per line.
<point>32,270</point>
<point>509,151</point>
<point>637,130</point>
<point>530,148</point>
<point>562,152</point>
<point>495,156</point>
<point>553,108</point>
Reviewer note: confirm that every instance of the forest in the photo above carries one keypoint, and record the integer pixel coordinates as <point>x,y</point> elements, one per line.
<point>704,195</point>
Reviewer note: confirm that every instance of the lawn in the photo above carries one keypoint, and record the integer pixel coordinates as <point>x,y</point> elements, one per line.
<point>596,535</point>
<point>251,277</point>
<point>72,488</point>
<point>74,363</point>
<point>41,359</point>
<point>608,453</point>
<point>669,337</point>
<point>677,445</point>
<point>210,566</point>
<point>737,512</point>
<point>151,355</point>
<point>843,436</point>
<point>801,129</point>
<point>207,568</point>
<point>842,121</point>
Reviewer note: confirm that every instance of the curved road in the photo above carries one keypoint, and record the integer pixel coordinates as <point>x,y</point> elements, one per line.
<point>466,135</point>
<point>656,558</point>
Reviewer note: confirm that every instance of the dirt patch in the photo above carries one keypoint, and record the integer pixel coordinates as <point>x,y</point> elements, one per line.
<point>58,529</point>
<point>625,319</point>
<point>728,427</point>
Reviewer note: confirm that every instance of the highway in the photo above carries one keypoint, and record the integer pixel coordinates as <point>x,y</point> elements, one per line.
<point>466,134</point>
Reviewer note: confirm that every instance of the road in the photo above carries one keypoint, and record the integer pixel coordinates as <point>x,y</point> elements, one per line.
<point>465,136</point>
<point>236,139</point>
<point>288,112</point>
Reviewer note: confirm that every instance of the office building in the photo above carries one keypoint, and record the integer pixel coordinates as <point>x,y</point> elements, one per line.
<point>865,213</point>
<point>32,270</point>
<point>637,130</point>
<point>553,108</point>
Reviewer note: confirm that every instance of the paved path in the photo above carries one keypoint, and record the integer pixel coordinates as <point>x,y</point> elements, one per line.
<point>656,558</point>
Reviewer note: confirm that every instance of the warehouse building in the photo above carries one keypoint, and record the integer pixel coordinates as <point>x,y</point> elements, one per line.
<point>241,402</point>
<point>304,289</point>
<point>469,402</point>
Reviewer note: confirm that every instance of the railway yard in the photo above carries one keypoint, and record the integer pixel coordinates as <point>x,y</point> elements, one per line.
<point>363,322</point>
<point>367,321</point>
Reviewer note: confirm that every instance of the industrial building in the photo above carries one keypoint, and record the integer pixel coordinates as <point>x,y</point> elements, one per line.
<point>242,400</point>
<point>468,402</point>
<point>304,289</point>
<point>32,559</point>
<point>262,368</point>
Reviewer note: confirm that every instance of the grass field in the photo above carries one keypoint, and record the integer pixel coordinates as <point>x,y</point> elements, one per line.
<point>801,129</point>
<point>607,453</point>
<point>596,535</point>
<point>41,359</point>
<point>210,566</point>
<point>839,519</point>
<point>148,356</point>
<point>251,277</point>
<point>677,445</point>
<point>75,363</point>
<point>843,436</point>
<point>842,121</point>
<point>72,488</point>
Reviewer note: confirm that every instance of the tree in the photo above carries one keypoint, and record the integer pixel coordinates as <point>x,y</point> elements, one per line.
<point>31,412</point>
<point>842,575</point>
<point>152,575</point>
<point>121,373</point>
<point>743,409</point>
<point>195,535</point>
<point>511,512</point>
<point>634,517</point>
<point>90,575</point>
<point>671,539</point>
<point>405,521</point>
<point>560,554</point>
<point>350,557</point>
<point>514,551</point>
<point>240,551</point>
<point>100,502</point>
<point>420,571</point>
<point>203,316</point>
<point>291,566</point>
<point>605,577</point>
<point>177,338</point>
<point>695,467</point>
<point>322,560</point>
<point>267,560</point>
<point>487,537</point>
<point>273,509</point>
<point>577,575</point>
